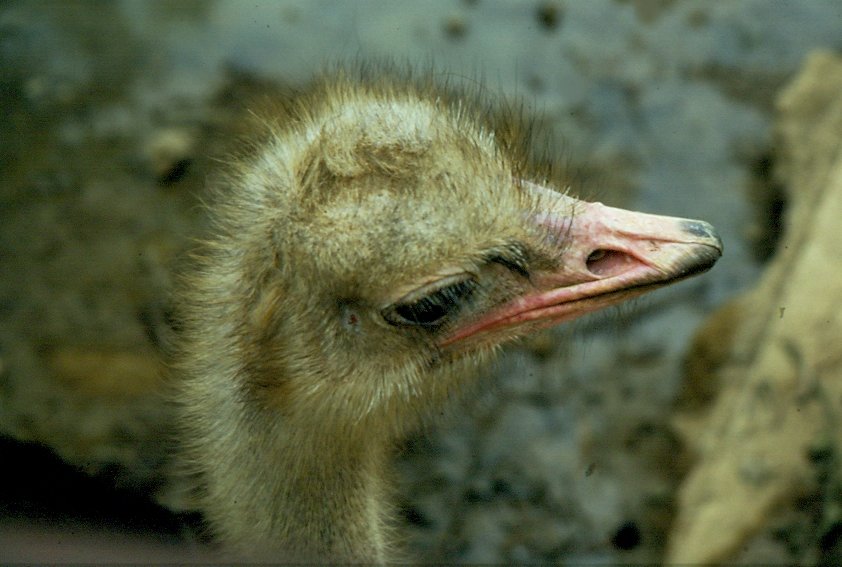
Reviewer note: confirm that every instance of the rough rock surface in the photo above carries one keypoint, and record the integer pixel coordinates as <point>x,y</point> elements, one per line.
<point>770,443</point>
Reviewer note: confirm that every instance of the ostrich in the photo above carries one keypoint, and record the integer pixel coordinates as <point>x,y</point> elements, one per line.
<point>379,241</point>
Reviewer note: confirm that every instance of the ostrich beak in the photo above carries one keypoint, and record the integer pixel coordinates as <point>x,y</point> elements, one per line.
<point>605,256</point>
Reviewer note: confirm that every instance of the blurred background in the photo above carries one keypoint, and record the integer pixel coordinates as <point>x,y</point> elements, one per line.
<point>112,114</point>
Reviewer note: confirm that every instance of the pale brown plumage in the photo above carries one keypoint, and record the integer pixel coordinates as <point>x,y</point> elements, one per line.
<point>378,243</point>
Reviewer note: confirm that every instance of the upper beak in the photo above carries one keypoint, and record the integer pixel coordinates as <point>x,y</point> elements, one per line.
<point>605,256</point>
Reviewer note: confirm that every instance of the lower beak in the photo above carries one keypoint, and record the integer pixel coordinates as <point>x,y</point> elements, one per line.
<point>605,256</point>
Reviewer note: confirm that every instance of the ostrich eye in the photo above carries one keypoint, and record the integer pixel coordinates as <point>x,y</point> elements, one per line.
<point>432,309</point>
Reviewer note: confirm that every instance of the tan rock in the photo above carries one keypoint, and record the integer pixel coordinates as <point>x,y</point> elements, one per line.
<point>107,374</point>
<point>774,352</point>
<point>168,152</point>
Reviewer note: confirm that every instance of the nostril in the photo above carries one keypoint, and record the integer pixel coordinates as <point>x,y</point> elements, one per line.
<point>603,262</point>
<point>596,256</point>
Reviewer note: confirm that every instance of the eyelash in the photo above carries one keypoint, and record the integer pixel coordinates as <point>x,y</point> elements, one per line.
<point>513,263</point>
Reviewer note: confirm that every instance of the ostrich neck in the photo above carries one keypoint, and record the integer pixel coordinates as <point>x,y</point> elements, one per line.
<point>301,495</point>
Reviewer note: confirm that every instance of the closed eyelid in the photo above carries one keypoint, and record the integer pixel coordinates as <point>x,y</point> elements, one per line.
<point>431,309</point>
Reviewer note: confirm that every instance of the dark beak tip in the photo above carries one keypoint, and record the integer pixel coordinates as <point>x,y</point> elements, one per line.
<point>703,230</point>
<point>699,228</point>
<point>702,260</point>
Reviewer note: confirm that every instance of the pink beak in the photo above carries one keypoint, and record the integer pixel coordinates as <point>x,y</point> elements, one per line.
<point>606,255</point>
